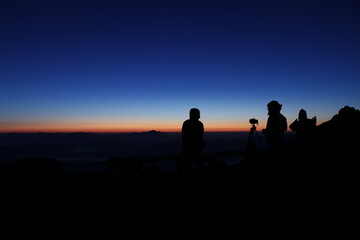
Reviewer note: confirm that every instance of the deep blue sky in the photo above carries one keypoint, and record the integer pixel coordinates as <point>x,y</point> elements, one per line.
<point>137,65</point>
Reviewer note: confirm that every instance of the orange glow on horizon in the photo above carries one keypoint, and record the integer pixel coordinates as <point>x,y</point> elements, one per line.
<point>102,130</point>
<point>114,128</point>
<point>106,125</point>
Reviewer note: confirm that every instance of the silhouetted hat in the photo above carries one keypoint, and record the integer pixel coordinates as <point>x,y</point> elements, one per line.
<point>274,103</point>
<point>274,106</point>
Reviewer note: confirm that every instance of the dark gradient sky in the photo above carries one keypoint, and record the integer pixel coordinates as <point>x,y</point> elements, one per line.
<point>141,65</point>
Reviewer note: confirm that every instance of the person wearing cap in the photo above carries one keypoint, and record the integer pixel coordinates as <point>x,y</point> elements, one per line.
<point>276,127</point>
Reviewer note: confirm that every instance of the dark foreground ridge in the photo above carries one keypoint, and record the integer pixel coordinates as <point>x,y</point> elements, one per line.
<point>312,196</point>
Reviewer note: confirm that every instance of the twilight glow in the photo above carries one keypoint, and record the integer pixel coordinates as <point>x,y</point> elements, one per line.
<point>114,66</point>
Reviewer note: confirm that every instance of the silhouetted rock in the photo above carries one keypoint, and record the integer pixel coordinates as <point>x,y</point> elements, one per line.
<point>345,123</point>
<point>339,135</point>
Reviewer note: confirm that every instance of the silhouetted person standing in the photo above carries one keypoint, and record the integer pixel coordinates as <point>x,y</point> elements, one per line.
<point>305,130</point>
<point>192,134</point>
<point>303,126</point>
<point>276,127</point>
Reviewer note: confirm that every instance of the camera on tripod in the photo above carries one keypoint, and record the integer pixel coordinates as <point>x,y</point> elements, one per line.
<point>253,121</point>
<point>251,146</point>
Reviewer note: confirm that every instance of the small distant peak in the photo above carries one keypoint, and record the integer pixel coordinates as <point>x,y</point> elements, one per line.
<point>153,132</point>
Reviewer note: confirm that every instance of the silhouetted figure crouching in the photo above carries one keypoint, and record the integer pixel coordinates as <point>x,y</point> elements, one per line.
<point>192,134</point>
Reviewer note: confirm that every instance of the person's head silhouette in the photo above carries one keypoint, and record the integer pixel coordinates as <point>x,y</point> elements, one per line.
<point>302,115</point>
<point>274,107</point>
<point>194,114</point>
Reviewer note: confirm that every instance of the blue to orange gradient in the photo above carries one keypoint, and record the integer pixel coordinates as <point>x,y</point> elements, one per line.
<point>120,66</point>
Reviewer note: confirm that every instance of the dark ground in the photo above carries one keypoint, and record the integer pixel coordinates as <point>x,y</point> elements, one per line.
<point>311,194</point>
<point>244,201</point>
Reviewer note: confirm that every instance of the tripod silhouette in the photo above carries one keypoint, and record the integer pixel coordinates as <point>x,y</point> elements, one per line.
<point>251,146</point>
<point>252,131</point>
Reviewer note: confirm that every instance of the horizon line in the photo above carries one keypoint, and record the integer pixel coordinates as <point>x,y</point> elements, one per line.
<point>112,132</point>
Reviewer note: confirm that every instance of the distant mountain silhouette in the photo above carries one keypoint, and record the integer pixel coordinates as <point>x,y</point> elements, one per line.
<point>153,132</point>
